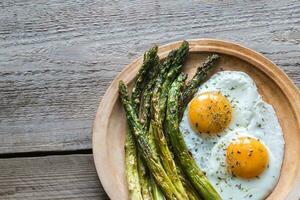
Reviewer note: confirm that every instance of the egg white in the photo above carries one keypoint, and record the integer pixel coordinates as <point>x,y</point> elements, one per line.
<point>230,187</point>
<point>252,117</point>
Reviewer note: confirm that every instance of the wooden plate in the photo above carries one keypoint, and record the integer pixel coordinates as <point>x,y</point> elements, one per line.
<point>273,84</point>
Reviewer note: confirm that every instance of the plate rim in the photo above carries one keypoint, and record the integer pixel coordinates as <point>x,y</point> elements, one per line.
<point>225,47</point>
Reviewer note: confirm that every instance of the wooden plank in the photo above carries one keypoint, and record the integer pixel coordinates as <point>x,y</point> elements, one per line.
<point>58,58</point>
<point>50,177</point>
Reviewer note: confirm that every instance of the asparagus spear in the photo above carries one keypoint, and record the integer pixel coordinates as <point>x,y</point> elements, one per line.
<point>190,190</point>
<point>145,79</point>
<point>167,159</point>
<point>145,118</point>
<point>132,176</point>
<point>159,107</point>
<point>176,57</point>
<point>199,76</point>
<point>138,182</point>
<point>149,154</point>
<point>144,178</point>
<point>195,175</point>
<point>156,192</point>
<point>146,103</point>
<point>150,60</point>
<point>161,92</point>
<point>159,98</point>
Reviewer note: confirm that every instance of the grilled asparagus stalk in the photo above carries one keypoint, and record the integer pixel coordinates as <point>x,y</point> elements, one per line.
<point>138,181</point>
<point>159,98</point>
<point>148,186</point>
<point>159,107</point>
<point>190,190</point>
<point>195,175</point>
<point>146,103</point>
<point>175,58</point>
<point>144,178</point>
<point>156,192</point>
<point>149,154</point>
<point>132,176</point>
<point>198,78</point>
<point>169,70</point>
<point>150,60</point>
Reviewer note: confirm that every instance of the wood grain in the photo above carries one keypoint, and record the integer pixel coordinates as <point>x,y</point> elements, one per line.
<point>295,193</point>
<point>273,85</point>
<point>58,58</point>
<point>50,177</point>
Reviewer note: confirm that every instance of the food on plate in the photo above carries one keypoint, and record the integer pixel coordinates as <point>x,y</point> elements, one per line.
<point>246,157</point>
<point>210,112</point>
<point>194,140</point>
<point>138,183</point>
<point>159,98</point>
<point>243,158</point>
<point>145,138</point>
<point>189,166</point>
<point>147,149</point>
<point>169,69</point>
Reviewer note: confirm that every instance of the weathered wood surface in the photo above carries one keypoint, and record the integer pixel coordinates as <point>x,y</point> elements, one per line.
<point>57,58</point>
<point>50,177</point>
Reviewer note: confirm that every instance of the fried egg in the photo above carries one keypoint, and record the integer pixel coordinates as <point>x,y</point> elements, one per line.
<point>234,136</point>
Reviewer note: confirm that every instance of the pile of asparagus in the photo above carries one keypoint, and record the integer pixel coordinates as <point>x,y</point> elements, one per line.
<point>158,163</point>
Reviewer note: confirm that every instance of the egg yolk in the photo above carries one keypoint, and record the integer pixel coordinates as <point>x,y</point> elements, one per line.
<point>246,157</point>
<point>210,112</point>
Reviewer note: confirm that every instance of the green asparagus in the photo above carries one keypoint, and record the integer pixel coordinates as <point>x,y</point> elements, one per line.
<point>160,94</point>
<point>176,57</point>
<point>198,78</point>
<point>146,103</point>
<point>190,190</point>
<point>144,178</point>
<point>159,106</point>
<point>156,192</point>
<point>163,82</point>
<point>138,182</point>
<point>167,159</point>
<point>149,154</point>
<point>150,60</point>
<point>193,172</point>
<point>132,176</point>
<point>154,83</point>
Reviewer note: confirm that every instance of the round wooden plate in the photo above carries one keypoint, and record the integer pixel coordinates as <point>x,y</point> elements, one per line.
<point>273,84</point>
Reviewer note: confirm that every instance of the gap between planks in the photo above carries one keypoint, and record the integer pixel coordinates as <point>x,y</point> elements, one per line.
<point>44,153</point>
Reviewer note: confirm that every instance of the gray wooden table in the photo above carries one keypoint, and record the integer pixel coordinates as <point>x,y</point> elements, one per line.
<point>57,58</point>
